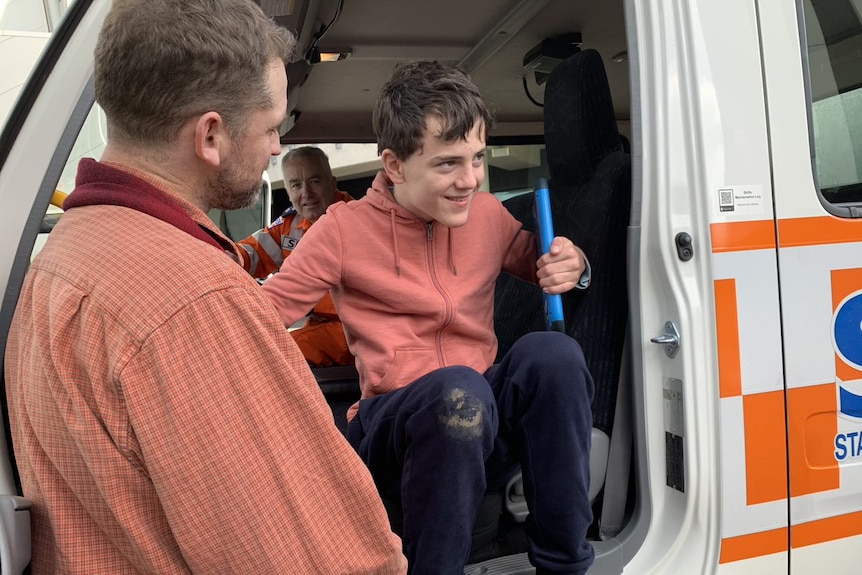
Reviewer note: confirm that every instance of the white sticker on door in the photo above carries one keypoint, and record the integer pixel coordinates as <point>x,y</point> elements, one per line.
<point>741,201</point>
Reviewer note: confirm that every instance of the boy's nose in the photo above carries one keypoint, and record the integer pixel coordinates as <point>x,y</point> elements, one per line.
<point>468,180</point>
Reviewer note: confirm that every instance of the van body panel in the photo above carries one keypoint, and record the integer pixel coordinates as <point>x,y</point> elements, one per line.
<point>747,439</point>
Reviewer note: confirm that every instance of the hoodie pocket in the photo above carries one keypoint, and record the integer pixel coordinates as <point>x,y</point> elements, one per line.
<point>408,365</point>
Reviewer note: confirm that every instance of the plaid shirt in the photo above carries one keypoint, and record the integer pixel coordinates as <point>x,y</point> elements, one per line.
<point>145,444</point>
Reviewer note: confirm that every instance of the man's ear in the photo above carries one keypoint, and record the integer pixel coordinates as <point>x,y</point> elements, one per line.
<point>393,166</point>
<point>212,140</point>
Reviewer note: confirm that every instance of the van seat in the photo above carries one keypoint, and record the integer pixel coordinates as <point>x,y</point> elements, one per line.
<point>590,187</point>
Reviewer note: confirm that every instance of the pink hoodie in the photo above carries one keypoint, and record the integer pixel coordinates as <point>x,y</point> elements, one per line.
<point>413,296</point>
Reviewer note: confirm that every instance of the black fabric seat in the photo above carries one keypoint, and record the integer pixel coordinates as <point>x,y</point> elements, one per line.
<point>590,188</point>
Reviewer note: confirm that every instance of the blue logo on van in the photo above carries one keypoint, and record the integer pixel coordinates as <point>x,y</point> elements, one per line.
<point>847,334</point>
<point>848,330</point>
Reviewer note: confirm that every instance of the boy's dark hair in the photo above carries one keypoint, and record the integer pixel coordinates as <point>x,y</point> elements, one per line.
<point>421,89</point>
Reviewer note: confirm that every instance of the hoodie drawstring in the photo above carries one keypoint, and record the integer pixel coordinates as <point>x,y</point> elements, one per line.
<point>452,251</point>
<point>395,241</point>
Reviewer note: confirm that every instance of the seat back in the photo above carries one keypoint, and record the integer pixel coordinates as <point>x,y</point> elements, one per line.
<point>590,187</point>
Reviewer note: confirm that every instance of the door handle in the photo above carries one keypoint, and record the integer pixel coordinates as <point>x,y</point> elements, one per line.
<point>669,339</point>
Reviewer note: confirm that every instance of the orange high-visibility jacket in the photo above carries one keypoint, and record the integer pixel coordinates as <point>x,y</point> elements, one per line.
<point>264,251</point>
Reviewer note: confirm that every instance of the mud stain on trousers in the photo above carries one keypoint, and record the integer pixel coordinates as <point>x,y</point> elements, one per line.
<point>461,414</point>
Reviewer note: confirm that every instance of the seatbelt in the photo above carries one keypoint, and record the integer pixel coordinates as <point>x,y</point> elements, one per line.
<point>619,453</point>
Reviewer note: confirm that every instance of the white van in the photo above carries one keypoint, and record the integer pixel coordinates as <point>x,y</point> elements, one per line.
<point>711,166</point>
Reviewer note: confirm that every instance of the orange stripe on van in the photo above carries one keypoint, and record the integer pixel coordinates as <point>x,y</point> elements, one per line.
<point>829,529</point>
<point>727,334</point>
<point>844,372</point>
<point>813,425</point>
<point>765,447</point>
<point>753,545</point>
<point>795,232</point>
<point>740,236</point>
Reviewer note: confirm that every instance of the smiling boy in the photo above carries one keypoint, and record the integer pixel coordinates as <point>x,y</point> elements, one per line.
<point>439,423</point>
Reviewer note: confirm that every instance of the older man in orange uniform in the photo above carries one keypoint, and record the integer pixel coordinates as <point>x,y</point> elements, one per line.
<point>311,188</point>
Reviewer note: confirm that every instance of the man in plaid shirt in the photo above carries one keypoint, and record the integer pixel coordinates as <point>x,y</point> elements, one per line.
<point>144,441</point>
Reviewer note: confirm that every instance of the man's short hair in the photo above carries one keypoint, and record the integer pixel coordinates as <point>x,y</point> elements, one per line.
<point>422,89</point>
<point>307,152</point>
<point>159,63</point>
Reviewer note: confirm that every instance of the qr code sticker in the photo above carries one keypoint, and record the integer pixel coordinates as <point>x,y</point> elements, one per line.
<point>725,200</point>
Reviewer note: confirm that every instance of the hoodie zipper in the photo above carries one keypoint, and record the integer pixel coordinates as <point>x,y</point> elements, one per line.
<point>447,301</point>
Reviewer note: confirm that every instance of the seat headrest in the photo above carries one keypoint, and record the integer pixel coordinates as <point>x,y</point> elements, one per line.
<point>580,124</point>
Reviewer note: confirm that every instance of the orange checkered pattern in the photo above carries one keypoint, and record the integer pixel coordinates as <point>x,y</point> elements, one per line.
<point>788,429</point>
<point>146,445</point>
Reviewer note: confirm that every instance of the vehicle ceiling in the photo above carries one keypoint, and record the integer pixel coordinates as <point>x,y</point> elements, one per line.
<point>488,38</point>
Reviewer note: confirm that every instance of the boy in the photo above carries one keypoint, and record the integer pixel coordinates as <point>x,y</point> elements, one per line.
<point>438,424</point>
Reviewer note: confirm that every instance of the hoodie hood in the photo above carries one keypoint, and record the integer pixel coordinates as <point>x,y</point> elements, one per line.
<point>380,196</point>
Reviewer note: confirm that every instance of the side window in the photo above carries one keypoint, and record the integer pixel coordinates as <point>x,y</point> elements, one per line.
<point>515,169</point>
<point>834,38</point>
<point>511,168</point>
<point>90,143</point>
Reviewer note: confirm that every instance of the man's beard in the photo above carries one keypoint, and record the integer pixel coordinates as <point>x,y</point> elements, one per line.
<point>226,193</point>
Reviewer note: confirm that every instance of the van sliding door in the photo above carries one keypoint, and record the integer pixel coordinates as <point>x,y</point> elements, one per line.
<point>813,71</point>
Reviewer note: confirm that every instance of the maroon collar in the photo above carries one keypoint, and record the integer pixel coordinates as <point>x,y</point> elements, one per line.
<point>101,184</point>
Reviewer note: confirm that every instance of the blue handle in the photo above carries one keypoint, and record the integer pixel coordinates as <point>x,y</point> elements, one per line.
<point>544,238</point>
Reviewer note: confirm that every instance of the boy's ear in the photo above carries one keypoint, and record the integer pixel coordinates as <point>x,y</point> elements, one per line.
<point>212,141</point>
<point>393,166</point>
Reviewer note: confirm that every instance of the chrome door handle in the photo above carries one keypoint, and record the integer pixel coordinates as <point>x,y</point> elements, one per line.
<point>669,339</point>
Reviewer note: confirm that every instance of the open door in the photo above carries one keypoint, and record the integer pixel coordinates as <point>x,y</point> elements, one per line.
<point>707,330</point>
